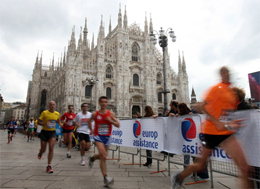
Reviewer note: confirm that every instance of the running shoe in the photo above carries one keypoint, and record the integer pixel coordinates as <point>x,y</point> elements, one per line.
<point>68,155</point>
<point>82,163</point>
<point>108,181</point>
<point>8,142</point>
<point>176,183</point>
<point>39,156</point>
<point>49,169</point>
<point>90,162</point>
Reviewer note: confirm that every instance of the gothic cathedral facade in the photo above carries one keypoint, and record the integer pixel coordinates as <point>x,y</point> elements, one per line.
<point>128,67</point>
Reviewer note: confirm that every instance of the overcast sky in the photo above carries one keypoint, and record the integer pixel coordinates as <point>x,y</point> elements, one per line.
<point>211,34</point>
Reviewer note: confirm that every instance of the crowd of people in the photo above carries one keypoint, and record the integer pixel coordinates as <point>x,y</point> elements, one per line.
<point>217,130</point>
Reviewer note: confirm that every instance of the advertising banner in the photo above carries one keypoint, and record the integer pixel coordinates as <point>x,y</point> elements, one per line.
<point>182,135</point>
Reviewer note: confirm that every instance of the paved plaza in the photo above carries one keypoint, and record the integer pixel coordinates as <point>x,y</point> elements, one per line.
<point>20,168</point>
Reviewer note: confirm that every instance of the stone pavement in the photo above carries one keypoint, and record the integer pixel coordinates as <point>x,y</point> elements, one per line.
<point>20,168</point>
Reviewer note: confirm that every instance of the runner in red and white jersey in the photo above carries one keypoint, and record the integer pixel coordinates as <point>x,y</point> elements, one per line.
<point>67,120</point>
<point>103,127</point>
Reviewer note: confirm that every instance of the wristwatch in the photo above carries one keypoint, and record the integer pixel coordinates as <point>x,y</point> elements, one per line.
<point>228,127</point>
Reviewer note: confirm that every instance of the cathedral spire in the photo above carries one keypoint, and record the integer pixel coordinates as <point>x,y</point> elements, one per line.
<point>119,24</point>
<point>101,33</point>
<point>145,25</point>
<point>52,64</point>
<point>151,24</point>
<point>64,56</point>
<point>179,63</point>
<point>41,59</point>
<point>125,19</point>
<point>110,26</point>
<point>36,61</point>
<point>85,33</point>
<point>183,63</point>
<point>61,60</point>
<point>72,44</point>
<point>92,44</point>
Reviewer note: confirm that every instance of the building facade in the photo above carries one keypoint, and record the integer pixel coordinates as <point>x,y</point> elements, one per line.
<point>129,69</point>
<point>19,112</point>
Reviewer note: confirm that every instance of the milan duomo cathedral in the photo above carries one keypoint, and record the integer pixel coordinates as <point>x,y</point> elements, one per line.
<point>128,67</point>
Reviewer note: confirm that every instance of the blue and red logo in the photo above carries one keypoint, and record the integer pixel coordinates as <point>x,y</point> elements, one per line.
<point>188,129</point>
<point>137,129</point>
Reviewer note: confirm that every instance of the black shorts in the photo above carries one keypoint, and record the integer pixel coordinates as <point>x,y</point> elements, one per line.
<point>212,141</point>
<point>83,136</point>
<point>35,129</point>
<point>24,128</point>
<point>46,135</point>
<point>67,130</point>
<point>10,131</point>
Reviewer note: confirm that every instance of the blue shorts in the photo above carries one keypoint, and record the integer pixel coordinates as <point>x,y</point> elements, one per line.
<point>106,140</point>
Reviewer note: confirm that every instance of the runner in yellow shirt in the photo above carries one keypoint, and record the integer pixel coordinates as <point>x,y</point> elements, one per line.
<point>48,120</point>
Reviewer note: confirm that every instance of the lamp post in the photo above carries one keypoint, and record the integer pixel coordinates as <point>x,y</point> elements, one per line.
<point>91,82</point>
<point>163,42</point>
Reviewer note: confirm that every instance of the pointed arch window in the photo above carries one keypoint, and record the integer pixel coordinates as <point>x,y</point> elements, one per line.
<point>109,72</point>
<point>88,91</point>
<point>160,97</point>
<point>173,96</point>
<point>45,74</point>
<point>159,79</point>
<point>134,53</point>
<point>108,92</point>
<point>136,80</point>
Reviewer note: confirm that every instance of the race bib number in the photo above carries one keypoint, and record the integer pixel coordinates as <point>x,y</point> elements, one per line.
<point>84,122</point>
<point>52,124</point>
<point>103,129</point>
<point>70,122</point>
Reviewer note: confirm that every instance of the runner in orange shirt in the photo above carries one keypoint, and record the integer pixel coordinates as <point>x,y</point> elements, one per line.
<point>218,131</point>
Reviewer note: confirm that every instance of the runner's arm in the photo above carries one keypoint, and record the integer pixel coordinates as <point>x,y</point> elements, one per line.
<point>40,122</point>
<point>76,121</point>
<point>59,122</point>
<point>90,122</point>
<point>112,119</point>
<point>221,126</point>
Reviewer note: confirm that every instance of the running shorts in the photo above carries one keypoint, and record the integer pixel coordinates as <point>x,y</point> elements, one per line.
<point>29,130</point>
<point>67,130</point>
<point>83,136</point>
<point>106,140</point>
<point>10,131</point>
<point>212,141</point>
<point>46,135</point>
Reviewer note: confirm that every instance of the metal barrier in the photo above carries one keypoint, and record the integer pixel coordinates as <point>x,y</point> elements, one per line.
<point>153,158</point>
<point>133,154</point>
<point>231,169</point>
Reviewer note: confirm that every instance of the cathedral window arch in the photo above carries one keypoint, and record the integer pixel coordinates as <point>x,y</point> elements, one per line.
<point>45,74</point>
<point>108,92</point>
<point>136,80</point>
<point>88,91</point>
<point>134,53</point>
<point>173,96</point>
<point>160,97</point>
<point>159,79</point>
<point>109,72</point>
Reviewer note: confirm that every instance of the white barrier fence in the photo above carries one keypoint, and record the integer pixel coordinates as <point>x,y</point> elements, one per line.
<point>181,135</point>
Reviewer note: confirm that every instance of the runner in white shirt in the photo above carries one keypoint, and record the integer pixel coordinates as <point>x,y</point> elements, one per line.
<point>81,122</point>
<point>30,129</point>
